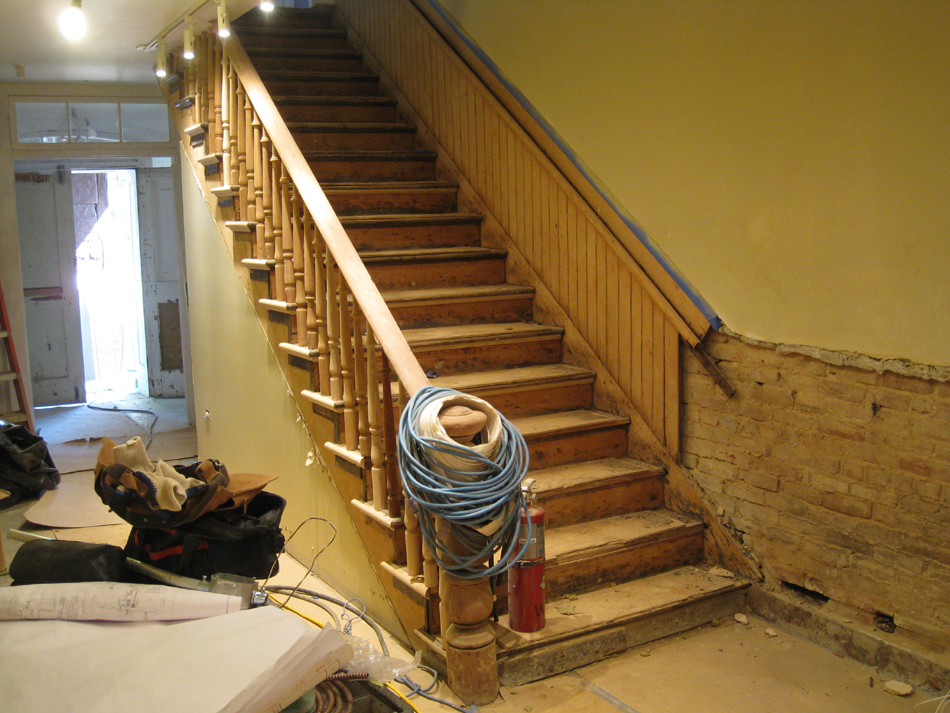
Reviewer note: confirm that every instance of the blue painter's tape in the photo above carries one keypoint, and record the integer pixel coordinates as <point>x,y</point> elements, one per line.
<point>701,304</point>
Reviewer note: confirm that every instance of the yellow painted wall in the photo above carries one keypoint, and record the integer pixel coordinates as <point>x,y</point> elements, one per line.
<point>792,158</point>
<point>253,424</point>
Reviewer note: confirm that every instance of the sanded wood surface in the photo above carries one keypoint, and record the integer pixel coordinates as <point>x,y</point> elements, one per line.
<point>603,288</point>
<point>361,285</point>
<point>623,602</point>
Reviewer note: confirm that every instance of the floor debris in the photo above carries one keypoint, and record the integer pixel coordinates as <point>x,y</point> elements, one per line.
<point>742,619</point>
<point>899,688</point>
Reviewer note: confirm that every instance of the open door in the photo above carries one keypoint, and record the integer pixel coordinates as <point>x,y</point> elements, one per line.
<point>48,264</point>
<point>161,286</point>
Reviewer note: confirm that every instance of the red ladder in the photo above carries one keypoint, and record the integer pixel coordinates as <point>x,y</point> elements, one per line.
<point>22,414</point>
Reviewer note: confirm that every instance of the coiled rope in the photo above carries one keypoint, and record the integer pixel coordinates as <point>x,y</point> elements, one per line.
<point>479,499</point>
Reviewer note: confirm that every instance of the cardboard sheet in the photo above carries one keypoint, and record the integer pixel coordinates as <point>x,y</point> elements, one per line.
<point>73,504</point>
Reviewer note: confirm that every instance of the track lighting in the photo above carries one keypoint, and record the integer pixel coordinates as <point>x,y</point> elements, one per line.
<point>161,67</point>
<point>189,50</point>
<point>72,23</point>
<point>267,5</point>
<point>224,24</point>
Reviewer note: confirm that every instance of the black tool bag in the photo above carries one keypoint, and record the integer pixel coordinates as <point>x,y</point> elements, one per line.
<point>26,468</point>
<point>245,543</point>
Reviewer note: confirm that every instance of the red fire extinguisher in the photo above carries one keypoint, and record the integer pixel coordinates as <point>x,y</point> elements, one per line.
<point>526,576</point>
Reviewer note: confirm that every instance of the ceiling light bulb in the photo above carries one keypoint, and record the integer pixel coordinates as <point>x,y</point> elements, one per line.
<point>224,24</point>
<point>189,51</point>
<point>161,68</point>
<point>72,23</point>
<point>267,5</point>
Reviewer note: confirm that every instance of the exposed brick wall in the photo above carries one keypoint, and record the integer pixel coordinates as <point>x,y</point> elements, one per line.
<point>836,478</point>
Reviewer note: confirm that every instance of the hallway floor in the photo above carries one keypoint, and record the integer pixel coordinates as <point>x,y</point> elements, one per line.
<point>727,668</point>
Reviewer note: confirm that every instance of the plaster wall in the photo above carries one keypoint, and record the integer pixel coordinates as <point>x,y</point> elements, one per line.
<point>792,158</point>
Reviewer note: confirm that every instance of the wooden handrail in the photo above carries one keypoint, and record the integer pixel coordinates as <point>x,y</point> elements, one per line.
<point>354,272</point>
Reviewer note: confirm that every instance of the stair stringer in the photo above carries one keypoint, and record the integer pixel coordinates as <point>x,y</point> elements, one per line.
<point>683,495</point>
<point>377,535</point>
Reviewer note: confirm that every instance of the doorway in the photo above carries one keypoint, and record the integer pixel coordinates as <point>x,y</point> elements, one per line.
<point>100,260</point>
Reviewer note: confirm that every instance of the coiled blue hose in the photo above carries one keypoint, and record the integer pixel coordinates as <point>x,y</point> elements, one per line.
<point>494,492</point>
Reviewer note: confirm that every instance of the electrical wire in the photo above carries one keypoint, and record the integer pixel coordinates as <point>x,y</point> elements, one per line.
<point>313,562</point>
<point>116,409</point>
<point>494,494</point>
<point>307,594</point>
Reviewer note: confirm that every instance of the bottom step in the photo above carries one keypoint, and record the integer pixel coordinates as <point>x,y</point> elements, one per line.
<point>595,625</point>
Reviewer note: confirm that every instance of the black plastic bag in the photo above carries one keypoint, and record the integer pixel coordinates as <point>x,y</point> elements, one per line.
<point>26,468</point>
<point>48,561</point>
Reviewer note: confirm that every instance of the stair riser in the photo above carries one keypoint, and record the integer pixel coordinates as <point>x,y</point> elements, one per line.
<point>636,561</point>
<point>307,64</point>
<point>459,360</point>
<point>286,19</point>
<point>323,88</point>
<point>341,113</point>
<point>444,315</point>
<point>572,506</point>
<point>355,141</point>
<point>557,397</point>
<point>567,655</point>
<point>399,202</point>
<point>608,443</point>
<point>415,236</point>
<point>439,274</point>
<point>352,171</point>
<point>314,42</point>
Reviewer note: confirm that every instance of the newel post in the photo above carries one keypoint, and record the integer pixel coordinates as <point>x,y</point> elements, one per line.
<point>469,638</point>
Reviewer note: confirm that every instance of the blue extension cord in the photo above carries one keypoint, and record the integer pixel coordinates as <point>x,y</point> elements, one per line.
<point>496,488</point>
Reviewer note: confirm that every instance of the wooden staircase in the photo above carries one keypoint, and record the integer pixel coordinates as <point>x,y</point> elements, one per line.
<point>621,567</point>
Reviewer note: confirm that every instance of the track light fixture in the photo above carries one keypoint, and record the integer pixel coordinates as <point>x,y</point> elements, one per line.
<point>72,23</point>
<point>267,5</point>
<point>189,51</point>
<point>224,24</point>
<point>161,66</point>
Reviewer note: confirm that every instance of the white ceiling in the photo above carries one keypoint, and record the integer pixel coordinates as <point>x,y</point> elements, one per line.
<point>30,38</point>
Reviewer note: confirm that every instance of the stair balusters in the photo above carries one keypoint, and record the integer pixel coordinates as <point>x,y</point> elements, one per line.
<point>350,415</point>
<point>350,367</point>
<point>241,213</point>
<point>224,101</point>
<point>258,199</point>
<point>377,450</point>
<point>267,196</point>
<point>233,98</point>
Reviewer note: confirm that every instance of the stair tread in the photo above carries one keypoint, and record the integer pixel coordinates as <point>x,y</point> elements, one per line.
<point>317,75</point>
<point>13,417</point>
<point>467,333</point>
<point>564,422</point>
<point>421,155</point>
<point>521,376</point>
<point>301,52</point>
<point>455,294</point>
<point>621,603</point>
<point>397,219</point>
<point>587,539</point>
<point>351,127</point>
<point>565,477</point>
<point>371,257</point>
<point>323,100</point>
<point>289,31</point>
<point>391,187</point>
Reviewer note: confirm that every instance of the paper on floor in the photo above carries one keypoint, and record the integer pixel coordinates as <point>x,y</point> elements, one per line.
<point>253,661</point>
<point>111,601</point>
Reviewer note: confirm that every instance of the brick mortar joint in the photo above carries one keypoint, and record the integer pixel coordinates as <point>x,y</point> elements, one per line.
<point>902,367</point>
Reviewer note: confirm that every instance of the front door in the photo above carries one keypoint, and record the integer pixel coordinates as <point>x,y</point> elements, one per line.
<point>161,287</point>
<point>48,264</point>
